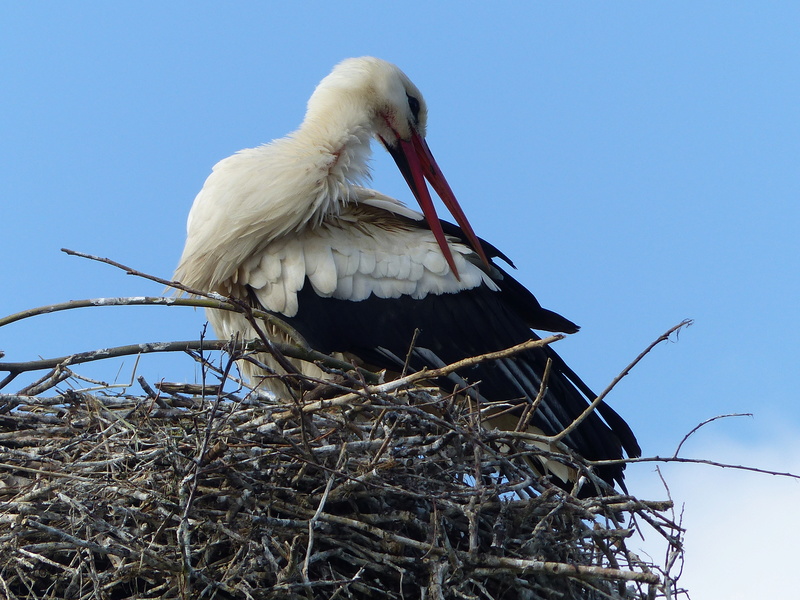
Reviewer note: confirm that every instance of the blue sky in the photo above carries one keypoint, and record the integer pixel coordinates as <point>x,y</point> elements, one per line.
<point>638,162</point>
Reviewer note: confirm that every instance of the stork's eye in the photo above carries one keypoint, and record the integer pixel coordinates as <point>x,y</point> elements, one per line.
<point>413,104</point>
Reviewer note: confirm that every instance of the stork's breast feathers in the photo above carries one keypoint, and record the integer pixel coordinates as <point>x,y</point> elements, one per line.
<point>361,252</point>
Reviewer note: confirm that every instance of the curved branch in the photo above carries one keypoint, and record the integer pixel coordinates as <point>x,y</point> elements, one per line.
<point>706,422</point>
<point>697,461</point>
<point>146,348</point>
<point>596,402</point>
<point>235,305</point>
<point>220,303</point>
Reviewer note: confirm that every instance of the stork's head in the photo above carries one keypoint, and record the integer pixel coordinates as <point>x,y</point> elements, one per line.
<point>374,90</point>
<point>374,94</point>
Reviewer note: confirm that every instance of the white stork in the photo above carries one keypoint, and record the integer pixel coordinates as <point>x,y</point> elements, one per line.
<point>290,227</point>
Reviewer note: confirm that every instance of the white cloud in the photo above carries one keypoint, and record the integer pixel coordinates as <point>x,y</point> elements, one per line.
<point>741,528</point>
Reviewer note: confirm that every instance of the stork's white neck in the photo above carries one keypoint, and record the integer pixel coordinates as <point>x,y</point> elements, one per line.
<point>341,143</point>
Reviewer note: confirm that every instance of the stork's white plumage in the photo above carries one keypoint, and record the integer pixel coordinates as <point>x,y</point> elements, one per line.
<point>290,227</point>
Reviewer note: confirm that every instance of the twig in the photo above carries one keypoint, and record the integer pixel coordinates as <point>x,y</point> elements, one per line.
<point>597,401</point>
<point>408,380</point>
<point>220,303</point>
<point>41,385</point>
<point>530,409</point>
<point>410,352</point>
<point>312,522</point>
<point>231,302</point>
<point>148,347</point>
<point>516,565</point>
<point>43,472</point>
<point>706,422</point>
<point>696,461</point>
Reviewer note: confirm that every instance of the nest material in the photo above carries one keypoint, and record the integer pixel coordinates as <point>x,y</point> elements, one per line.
<point>338,493</point>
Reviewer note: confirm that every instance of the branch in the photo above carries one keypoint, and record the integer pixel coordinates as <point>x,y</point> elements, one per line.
<point>596,402</point>
<point>136,349</point>
<point>519,565</point>
<point>698,461</point>
<point>219,302</point>
<point>395,384</point>
<point>130,271</point>
<point>234,304</point>
<point>706,422</point>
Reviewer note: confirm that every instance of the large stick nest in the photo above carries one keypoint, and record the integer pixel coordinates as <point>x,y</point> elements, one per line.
<point>344,491</point>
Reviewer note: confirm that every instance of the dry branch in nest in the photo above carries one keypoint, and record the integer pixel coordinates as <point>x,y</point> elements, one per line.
<point>348,490</point>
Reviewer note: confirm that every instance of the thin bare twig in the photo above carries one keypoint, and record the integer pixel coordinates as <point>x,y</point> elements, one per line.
<point>149,347</point>
<point>696,461</point>
<point>530,409</point>
<point>403,382</point>
<point>320,508</point>
<point>706,422</point>
<point>219,303</point>
<point>233,303</point>
<point>596,402</point>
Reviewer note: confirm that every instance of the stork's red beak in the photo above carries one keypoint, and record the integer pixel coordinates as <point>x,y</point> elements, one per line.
<point>415,161</point>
